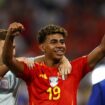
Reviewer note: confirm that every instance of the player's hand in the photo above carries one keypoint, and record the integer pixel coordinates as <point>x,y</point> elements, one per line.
<point>15,29</point>
<point>65,68</point>
<point>29,61</point>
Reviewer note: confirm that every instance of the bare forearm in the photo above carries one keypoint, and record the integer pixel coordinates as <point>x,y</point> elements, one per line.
<point>7,54</point>
<point>39,58</point>
<point>8,58</point>
<point>95,56</point>
<point>3,70</point>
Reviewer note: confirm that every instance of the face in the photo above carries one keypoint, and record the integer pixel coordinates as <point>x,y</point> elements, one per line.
<point>54,46</point>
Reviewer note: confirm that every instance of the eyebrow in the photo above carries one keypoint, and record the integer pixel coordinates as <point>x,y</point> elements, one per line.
<point>57,40</point>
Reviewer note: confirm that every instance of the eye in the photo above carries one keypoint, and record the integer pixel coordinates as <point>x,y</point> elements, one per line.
<point>62,41</point>
<point>53,41</point>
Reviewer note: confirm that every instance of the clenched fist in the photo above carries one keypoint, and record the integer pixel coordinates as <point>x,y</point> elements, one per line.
<point>14,29</point>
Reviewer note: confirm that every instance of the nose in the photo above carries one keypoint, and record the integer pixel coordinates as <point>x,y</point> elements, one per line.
<point>59,44</point>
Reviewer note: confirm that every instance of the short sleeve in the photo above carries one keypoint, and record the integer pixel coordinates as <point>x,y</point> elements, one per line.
<point>80,67</point>
<point>85,66</point>
<point>28,73</point>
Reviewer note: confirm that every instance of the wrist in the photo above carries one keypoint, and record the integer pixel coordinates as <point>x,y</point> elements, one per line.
<point>9,37</point>
<point>63,59</point>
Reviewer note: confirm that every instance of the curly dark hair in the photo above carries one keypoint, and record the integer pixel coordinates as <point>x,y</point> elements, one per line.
<point>50,30</point>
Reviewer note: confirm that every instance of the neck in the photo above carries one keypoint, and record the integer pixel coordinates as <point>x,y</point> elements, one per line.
<point>51,62</point>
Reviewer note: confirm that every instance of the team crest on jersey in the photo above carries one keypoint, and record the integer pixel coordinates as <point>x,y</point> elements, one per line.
<point>53,81</point>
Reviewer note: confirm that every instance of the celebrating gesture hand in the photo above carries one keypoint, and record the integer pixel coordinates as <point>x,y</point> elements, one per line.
<point>14,29</point>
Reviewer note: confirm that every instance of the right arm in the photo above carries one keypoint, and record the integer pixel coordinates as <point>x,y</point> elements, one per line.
<point>15,65</point>
<point>9,60</point>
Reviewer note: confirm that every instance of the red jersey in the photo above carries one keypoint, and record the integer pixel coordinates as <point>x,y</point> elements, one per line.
<point>46,87</point>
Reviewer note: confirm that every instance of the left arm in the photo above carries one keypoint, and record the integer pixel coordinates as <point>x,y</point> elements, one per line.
<point>97,54</point>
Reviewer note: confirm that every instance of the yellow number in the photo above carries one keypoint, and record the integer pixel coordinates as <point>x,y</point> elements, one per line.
<point>54,93</point>
<point>49,90</point>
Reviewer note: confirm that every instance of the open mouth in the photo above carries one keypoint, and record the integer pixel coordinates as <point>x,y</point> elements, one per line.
<point>59,51</point>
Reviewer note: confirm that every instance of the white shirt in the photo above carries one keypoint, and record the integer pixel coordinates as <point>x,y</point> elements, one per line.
<point>99,72</point>
<point>8,89</point>
<point>9,86</point>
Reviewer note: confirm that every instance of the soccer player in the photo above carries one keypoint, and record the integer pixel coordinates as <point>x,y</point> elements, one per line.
<point>97,96</point>
<point>45,85</point>
<point>9,83</point>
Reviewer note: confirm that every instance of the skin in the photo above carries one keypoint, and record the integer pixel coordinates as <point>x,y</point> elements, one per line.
<point>15,28</point>
<point>54,49</point>
<point>13,63</point>
<point>64,67</point>
<point>3,68</point>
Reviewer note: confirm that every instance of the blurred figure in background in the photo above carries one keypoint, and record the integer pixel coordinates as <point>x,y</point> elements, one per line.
<point>98,90</point>
<point>8,82</point>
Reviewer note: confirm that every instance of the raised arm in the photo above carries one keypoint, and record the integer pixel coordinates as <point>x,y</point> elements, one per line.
<point>97,54</point>
<point>7,55</point>
<point>3,68</point>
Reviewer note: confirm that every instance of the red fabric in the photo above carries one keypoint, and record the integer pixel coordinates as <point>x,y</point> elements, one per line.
<point>64,93</point>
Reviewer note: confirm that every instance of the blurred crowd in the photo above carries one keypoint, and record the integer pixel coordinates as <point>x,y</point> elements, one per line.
<point>83,19</point>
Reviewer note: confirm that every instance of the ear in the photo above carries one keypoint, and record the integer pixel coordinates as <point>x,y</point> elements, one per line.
<point>42,47</point>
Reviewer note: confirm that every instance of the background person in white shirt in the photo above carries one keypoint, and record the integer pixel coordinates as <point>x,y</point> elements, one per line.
<point>97,96</point>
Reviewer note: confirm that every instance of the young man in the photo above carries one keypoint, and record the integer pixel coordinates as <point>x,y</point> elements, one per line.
<point>9,83</point>
<point>97,96</point>
<point>45,85</point>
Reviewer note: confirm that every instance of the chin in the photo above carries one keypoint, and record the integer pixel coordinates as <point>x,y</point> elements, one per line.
<point>58,57</point>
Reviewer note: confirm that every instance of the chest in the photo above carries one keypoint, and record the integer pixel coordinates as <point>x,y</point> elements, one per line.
<point>49,86</point>
<point>49,79</point>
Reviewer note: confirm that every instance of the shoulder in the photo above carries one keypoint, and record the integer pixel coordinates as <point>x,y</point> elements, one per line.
<point>79,60</point>
<point>9,73</point>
